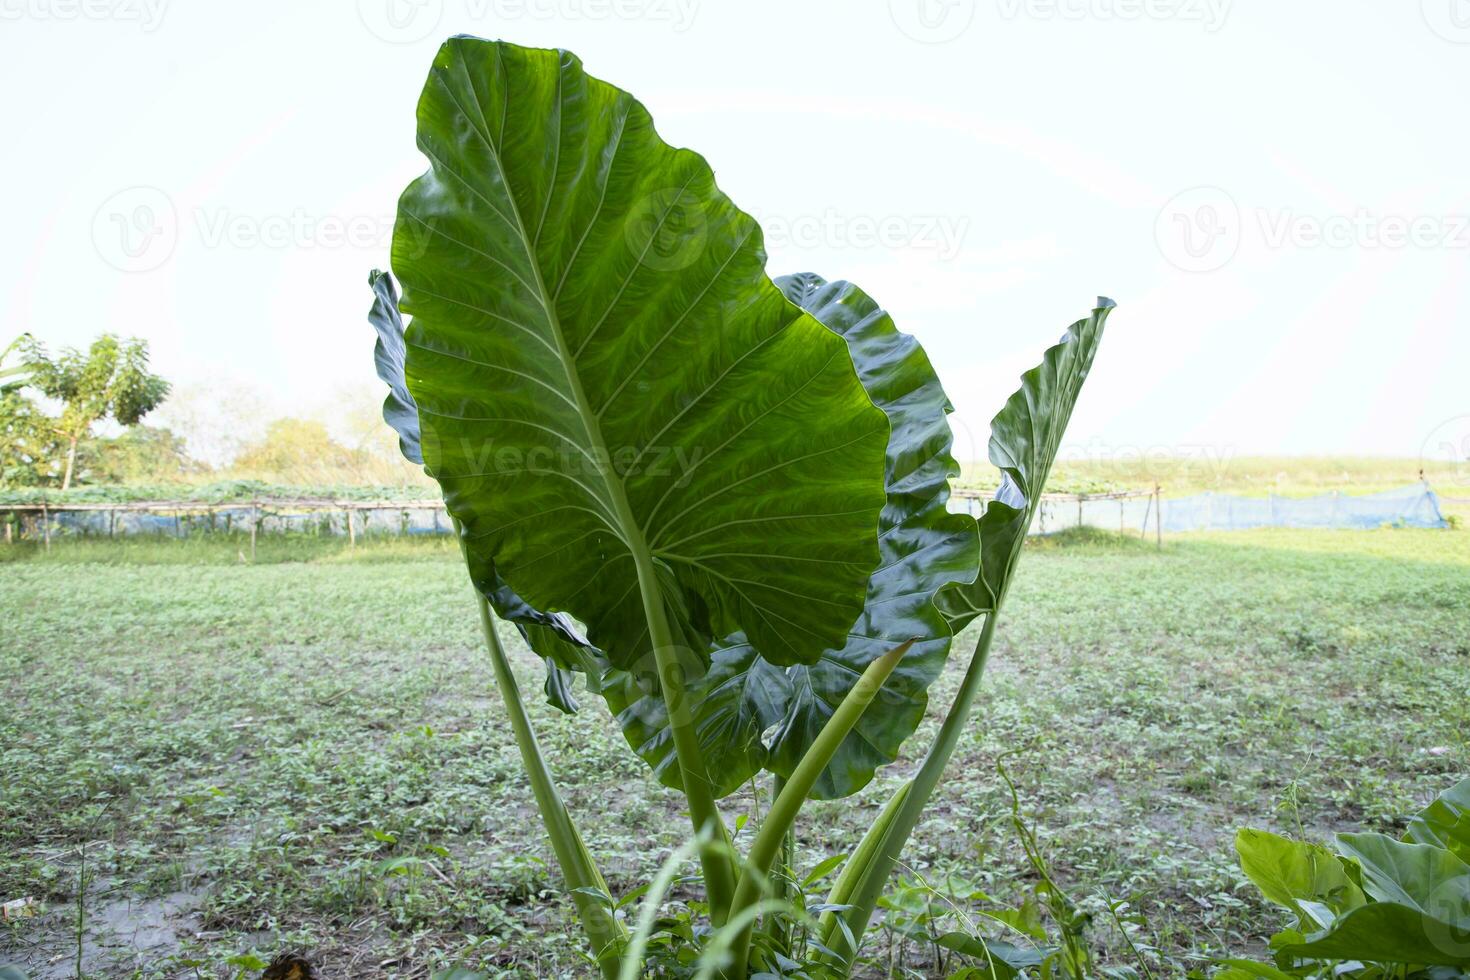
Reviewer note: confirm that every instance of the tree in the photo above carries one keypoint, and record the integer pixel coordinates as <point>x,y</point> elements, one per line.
<point>299,451</point>
<point>28,445</point>
<point>27,440</point>
<point>110,380</point>
<point>142,454</point>
<point>14,376</point>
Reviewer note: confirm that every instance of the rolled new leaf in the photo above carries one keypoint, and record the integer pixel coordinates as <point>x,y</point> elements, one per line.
<point>619,405</point>
<point>1024,440</point>
<point>924,547</point>
<point>400,411</point>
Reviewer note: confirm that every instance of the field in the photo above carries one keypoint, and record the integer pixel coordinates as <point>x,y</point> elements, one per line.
<point>204,760</point>
<point>1222,471</point>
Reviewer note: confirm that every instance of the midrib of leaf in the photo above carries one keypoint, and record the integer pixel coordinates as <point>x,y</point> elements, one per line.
<point>719,876</point>
<point>617,498</point>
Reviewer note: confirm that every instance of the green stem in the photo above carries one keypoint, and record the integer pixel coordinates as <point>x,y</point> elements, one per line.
<point>889,841</point>
<point>784,809</point>
<point>577,866</point>
<point>786,860</point>
<point>715,856</point>
<point>862,856</point>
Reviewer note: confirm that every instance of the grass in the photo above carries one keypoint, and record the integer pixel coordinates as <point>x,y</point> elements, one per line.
<point>306,752</point>
<point>1222,471</point>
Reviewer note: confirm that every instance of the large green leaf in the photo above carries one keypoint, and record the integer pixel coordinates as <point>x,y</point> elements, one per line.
<point>1445,822</point>
<point>1298,875</point>
<point>1382,932</point>
<point>400,411</point>
<point>553,636</point>
<point>617,402</point>
<point>1235,969</point>
<point>1419,876</point>
<point>1024,440</point>
<point>924,547</point>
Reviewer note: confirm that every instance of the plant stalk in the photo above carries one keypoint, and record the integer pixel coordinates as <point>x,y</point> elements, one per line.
<point>715,856</point>
<point>862,856</point>
<point>576,862</point>
<point>782,815</point>
<point>889,840</point>
<point>787,862</point>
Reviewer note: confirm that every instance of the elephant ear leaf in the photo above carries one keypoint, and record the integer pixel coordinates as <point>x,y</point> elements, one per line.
<point>1024,440</point>
<point>1445,822</point>
<point>555,637</point>
<point>924,547</point>
<point>399,409</point>
<point>622,409</point>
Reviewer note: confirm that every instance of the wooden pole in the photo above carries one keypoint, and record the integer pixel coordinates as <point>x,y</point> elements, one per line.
<point>46,525</point>
<point>254,526</point>
<point>351,533</point>
<point>1159,516</point>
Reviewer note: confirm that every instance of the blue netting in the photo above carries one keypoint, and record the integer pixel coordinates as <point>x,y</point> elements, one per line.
<point>1412,506</point>
<point>389,521</point>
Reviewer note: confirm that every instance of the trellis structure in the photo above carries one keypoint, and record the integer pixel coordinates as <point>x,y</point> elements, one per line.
<point>1144,511</point>
<point>184,517</point>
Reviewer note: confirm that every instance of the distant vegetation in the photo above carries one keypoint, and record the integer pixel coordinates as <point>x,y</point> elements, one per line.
<point>203,443</point>
<point>1292,476</point>
<point>212,446</point>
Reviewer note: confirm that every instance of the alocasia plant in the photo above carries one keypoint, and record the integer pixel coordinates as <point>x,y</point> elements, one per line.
<point>1377,907</point>
<point>719,499</point>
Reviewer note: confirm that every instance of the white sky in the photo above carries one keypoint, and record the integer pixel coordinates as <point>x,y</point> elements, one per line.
<point>1013,159</point>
